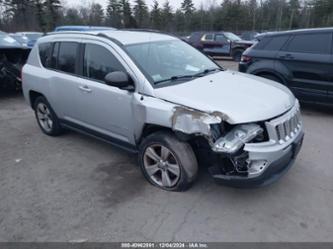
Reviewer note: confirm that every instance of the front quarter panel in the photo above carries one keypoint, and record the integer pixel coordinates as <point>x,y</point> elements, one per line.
<point>150,110</point>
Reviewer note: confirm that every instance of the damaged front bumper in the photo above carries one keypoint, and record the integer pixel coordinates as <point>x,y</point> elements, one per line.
<point>271,164</point>
<point>262,163</point>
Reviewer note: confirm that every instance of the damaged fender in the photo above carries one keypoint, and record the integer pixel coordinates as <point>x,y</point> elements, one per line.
<point>154,111</point>
<point>195,122</point>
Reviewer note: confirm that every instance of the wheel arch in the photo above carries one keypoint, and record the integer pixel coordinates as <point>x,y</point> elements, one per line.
<point>270,67</point>
<point>33,95</point>
<point>237,49</point>
<point>149,129</point>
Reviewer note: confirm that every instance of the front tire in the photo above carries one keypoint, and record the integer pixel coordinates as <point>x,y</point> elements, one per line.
<point>46,117</point>
<point>167,162</point>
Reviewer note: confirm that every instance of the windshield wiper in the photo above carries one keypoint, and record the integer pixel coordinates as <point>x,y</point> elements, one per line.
<point>207,71</point>
<point>175,78</point>
<point>191,76</point>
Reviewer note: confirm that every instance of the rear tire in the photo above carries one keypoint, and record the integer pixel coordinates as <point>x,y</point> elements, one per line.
<point>46,117</point>
<point>237,55</point>
<point>167,163</point>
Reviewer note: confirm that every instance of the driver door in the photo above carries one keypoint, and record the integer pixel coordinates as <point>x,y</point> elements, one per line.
<point>105,109</point>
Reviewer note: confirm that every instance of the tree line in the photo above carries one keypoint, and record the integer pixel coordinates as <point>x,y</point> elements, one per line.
<point>229,15</point>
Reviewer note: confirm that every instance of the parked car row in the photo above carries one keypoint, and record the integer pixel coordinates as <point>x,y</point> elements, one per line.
<point>301,60</point>
<point>26,39</point>
<point>220,44</point>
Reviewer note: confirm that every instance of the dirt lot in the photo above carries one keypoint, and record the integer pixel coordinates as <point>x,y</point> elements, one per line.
<point>74,188</point>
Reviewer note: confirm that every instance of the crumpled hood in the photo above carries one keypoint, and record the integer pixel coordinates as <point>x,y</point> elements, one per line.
<point>243,98</point>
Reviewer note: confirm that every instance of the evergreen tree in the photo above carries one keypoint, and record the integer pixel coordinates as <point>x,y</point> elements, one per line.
<point>52,8</point>
<point>141,14</point>
<point>127,18</point>
<point>40,15</point>
<point>167,16</point>
<point>113,14</point>
<point>187,7</point>
<point>294,7</point>
<point>96,15</point>
<point>155,16</point>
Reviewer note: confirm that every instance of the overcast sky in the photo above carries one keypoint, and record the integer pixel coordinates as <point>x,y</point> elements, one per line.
<point>174,3</point>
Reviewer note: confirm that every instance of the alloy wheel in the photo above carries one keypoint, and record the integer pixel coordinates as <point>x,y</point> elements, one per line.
<point>44,117</point>
<point>161,166</point>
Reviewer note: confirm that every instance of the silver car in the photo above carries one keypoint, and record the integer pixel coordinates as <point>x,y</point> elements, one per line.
<point>155,95</point>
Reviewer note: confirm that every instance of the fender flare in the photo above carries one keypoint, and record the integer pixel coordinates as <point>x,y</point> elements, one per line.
<point>271,67</point>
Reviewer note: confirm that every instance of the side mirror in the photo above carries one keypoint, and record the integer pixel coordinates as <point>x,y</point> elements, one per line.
<point>119,79</point>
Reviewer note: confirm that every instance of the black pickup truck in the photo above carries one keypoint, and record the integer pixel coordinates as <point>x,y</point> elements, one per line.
<point>12,58</point>
<point>220,44</point>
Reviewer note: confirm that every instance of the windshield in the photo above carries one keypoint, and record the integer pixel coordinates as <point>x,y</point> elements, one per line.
<point>232,36</point>
<point>170,61</point>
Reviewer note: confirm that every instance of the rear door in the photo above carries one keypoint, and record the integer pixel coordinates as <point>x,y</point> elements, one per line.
<point>307,57</point>
<point>330,86</point>
<point>64,79</point>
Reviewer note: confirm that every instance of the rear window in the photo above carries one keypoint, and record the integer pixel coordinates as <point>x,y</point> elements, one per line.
<point>310,43</point>
<point>68,52</point>
<point>208,37</point>
<point>272,43</point>
<point>45,52</point>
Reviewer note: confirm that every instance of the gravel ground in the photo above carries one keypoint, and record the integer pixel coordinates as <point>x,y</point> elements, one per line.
<point>75,188</point>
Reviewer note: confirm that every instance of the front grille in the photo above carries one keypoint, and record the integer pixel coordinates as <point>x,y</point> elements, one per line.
<point>286,126</point>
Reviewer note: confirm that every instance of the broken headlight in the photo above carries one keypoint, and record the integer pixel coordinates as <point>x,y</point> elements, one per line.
<point>236,138</point>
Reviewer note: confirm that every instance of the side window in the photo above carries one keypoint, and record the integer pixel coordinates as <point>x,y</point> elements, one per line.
<point>98,62</point>
<point>276,42</point>
<point>45,50</point>
<point>54,56</point>
<point>68,52</point>
<point>208,37</point>
<point>310,43</point>
<point>220,38</point>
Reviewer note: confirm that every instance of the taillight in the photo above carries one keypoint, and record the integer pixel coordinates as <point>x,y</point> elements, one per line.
<point>246,58</point>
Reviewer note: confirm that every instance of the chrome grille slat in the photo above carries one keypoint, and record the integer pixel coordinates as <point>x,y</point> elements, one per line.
<point>286,126</point>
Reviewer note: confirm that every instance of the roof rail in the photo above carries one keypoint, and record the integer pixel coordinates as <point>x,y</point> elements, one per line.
<point>110,38</point>
<point>149,30</point>
<point>73,33</point>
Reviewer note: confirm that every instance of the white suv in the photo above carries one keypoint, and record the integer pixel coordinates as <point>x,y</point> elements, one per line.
<point>157,96</point>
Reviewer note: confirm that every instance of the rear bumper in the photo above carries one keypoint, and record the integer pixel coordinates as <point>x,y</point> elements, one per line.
<point>274,171</point>
<point>242,67</point>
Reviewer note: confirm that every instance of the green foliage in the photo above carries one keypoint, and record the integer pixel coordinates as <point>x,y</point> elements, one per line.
<point>233,15</point>
<point>156,16</point>
<point>141,13</point>
<point>187,7</point>
<point>113,14</point>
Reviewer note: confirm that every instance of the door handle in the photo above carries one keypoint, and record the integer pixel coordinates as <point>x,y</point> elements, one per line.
<point>85,89</point>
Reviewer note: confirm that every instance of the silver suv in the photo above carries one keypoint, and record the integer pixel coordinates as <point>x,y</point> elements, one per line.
<point>157,96</point>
